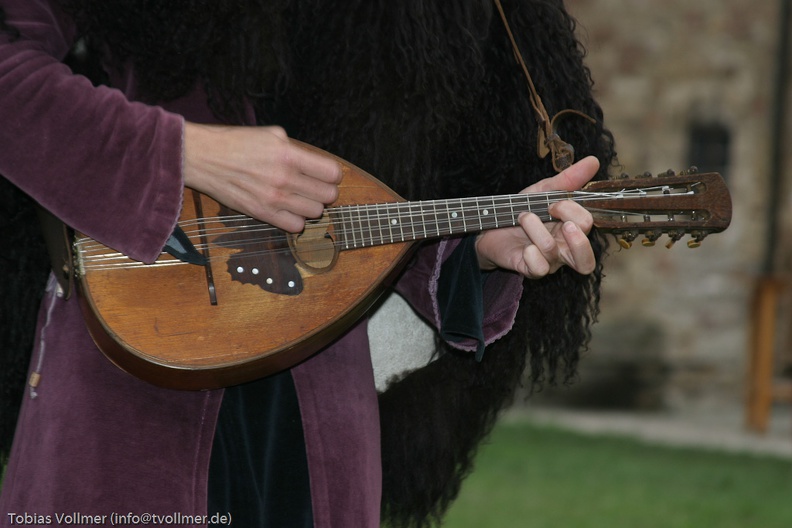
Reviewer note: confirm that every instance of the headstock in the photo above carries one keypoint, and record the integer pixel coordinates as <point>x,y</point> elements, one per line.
<point>671,204</point>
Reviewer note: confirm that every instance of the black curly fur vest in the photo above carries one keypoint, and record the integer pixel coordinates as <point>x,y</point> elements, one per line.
<point>426,95</point>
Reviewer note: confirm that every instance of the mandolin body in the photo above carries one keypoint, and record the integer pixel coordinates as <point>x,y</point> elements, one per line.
<point>159,323</point>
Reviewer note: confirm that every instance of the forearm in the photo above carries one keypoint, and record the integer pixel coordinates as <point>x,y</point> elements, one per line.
<point>106,166</point>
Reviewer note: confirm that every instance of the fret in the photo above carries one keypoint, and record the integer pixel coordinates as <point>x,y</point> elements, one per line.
<point>535,205</point>
<point>411,222</point>
<point>484,213</point>
<point>423,219</point>
<point>375,239</point>
<point>528,203</point>
<point>449,216</point>
<point>382,219</point>
<point>545,212</point>
<point>386,218</point>
<point>456,217</point>
<point>504,213</point>
<point>547,198</point>
<point>479,215</point>
<point>415,223</point>
<point>459,216</point>
<point>373,222</point>
<point>436,218</point>
<point>386,230</point>
<point>365,225</point>
<point>362,223</point>
<point>354,221</point>
<point>346,225</point>
<point>398,221</point>
<point>490,213</point>
<point>530,206</point>
<point>336,217</point>
<point>394,224</point>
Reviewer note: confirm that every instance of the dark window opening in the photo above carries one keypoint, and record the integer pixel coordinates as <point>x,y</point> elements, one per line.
<point>709,147</point>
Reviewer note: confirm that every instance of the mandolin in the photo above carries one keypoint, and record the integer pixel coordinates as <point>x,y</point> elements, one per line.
<point>234,299</point>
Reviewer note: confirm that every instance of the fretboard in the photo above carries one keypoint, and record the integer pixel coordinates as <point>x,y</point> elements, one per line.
<point>376,224</point>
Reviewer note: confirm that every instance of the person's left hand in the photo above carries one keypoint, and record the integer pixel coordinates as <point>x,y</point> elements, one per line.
<point>536,249</point>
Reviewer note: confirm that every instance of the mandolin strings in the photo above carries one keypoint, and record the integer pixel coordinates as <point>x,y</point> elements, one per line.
<point>411,223</point>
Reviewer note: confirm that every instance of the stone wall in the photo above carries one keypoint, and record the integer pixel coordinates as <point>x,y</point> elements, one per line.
<point>661,67</point>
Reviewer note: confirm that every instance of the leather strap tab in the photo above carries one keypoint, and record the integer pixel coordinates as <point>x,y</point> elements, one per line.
<point>57,237</point>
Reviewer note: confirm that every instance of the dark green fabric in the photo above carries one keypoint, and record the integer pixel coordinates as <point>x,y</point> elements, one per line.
<point>460,295</point>
<point>259,470</point>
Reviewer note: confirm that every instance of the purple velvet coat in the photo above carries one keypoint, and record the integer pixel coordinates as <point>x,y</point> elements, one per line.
<point>92,439</point>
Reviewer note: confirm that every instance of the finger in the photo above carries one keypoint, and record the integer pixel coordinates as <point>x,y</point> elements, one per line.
<point>534,265</point>
<point>315,165</point>
<point>286,220</point>
<point>277,131</point>
<point>569,211</point>
<point>539,236</point>
<point>313,190</point>
<point>579,255</point>
<point>304,207</point>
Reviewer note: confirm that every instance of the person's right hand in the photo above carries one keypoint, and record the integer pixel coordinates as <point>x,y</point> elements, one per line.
<point>259,172</point>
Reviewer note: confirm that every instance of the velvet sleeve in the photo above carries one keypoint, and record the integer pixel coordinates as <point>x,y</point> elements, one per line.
<point>499,297</point>
<point>106,166</point>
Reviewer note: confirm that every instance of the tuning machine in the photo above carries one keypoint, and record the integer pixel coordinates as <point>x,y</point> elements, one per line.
<point>650,237</point>
<point>627,238</point>
<point>674,237</point>
<point>697,237</point>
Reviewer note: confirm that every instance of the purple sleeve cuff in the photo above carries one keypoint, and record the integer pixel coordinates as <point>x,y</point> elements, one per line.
<point>106,166</point>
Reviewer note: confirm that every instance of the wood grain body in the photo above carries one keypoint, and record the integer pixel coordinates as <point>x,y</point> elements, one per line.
<point>157,322</point>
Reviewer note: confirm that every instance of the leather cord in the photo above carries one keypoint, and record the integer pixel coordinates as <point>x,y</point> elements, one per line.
<point>563,154</point>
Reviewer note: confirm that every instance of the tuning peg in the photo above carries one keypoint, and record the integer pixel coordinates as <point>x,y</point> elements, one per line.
<point>650,238</point>
<point>626,240</point>
<point>669,172</point>
<point>674,237</point>
<point>695,242</point>
<point>645,175</point>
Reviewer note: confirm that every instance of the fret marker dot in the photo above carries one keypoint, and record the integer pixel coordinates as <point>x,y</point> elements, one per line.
<point>486,212</point>
<point>394,222</point>
<point>454,214</point>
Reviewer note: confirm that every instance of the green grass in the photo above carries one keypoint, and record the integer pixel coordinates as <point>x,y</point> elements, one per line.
<point>536,477</point>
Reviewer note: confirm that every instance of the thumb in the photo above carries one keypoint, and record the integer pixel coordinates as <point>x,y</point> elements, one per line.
<point>570,179</point>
